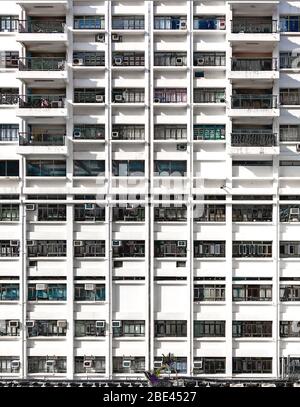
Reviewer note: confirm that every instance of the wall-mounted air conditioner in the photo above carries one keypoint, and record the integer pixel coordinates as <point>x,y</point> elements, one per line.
<point>298,148</point>
<point>99,98</point>
<point>14,243</point>
<point>179,61</point>
<point>156,100</point>
<point>181,243</point>
<point>76,133</point>
<point>78,61</point>
<point>30,207</point>
<point>126,364</point>
<point>118,98</point>
<point>89,286</point>
<point>30,243</point>
<point>116,324</point>
<point>13,324</point>
<point>157,364</point>
<point>181,147</point>
<point>88,363</point>
<point>89,206</point>
<point>15,364</point>
<point>116,243</point>
<point>116,38</point>
<point>61,323</point>
<point>41,286</point>
<point>100,38</point>
<point>183,25</point>
<point>118,61</point>
<point>78,243</point>
<point>198,364</point>
<point>50,363</point>
<point>295,211</point>
<point>100,324</point>
<point>115,134</point>
<point>200,61</point>
<point>29,324</point>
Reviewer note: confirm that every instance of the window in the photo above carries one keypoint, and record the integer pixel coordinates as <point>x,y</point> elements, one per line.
<point>47,292</point>
<point>89,248</point>
<point>89,131</point>
<point>289,249</point>
<point>176,365</point>
<point>290,293</point>
<point>48,328</point>
<point>253,292</point>
<point>129,328</point>
<point>128,58</point>
<point>209,132</point>
<point>97,364</point>
<point>170,132</point>
<point>45,168</point>
<point>170,22</point>
<point>290,96</point>
<point>209,292</point>
<point>9,327</point>
<point>254,25</point>
<point>252,365</point>
<point>170,329</point>
<point>9,23</point>
<point>128,95</point>
<point>252,213</point>
<point>209,95</point>
<point>170,248</point>
<point>206,365</point>
<point>9,248</point>
<point>128,23</point>
<point>46,248</point>
<point>128,248</point>
<point>89,213</point>
<point>289,132</point>
<point>210,213</point>
<point>9,292</point>
<point>89,292</point>
<point>170,168</point>
<point>173,213</point>
<point>47,364</point>
<point>88,58</point>
<point>129,213</point>
<point>251,249</point>
<point>9,132</point>
<point>9,96</point>
<point>206,329</point>
<point>290,23</point>
<point>9,213</point>
<point>209,58</point>
<point>89,22</point>
<point>170,95</point>
<point>6,364</point>
<point>9,168</point>
<point>128,132</point>
<point>251,329</point>
<point>9,59</point>
<point>135,364</point>
<point>128,168</point>
<point>89,95</point>
<point>209,248</point>
<point>89,168</point>
<point>289,329</point>
<point>52,212</point>
<point>89,328</point>
<point>170,58</point>
<point>209,23</point>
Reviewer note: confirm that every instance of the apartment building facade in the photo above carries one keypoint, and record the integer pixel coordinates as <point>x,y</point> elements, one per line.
<point>149,193</point>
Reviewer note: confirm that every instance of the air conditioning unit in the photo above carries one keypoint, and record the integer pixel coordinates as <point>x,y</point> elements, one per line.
<point>87,364</point>
<point>13,324</point>
<point>156,100</point>
<point>126,364</point>
<point>30,243</point>
<point>181,147</point>
<point>200,61</point>
<point>77,61</point>
<point>118,98</point>
<point>222,25</point>
<point>198,364</point>
<point>100,38</point>
<point>89,206</point>
<point>298,148</point>
<point>116,243</point>
<point>15,364</point>
<point>118,61</point>
<point>30,207</point>
<point>14,243</point>
<point>50,363</point>
<point>78,243</point>
<point>116,324</point>
<point>99,98</point>
<point>29,324</point>
<point>100,324</point>
<point>179,61</point>
<point>295,211</point>
<point>115,134</point>
<point>77,134</point>
<point>89,287</point>
<point>182,25</point>
<point>181,243</point>
<point>157,364</point>
<point>41,286</point>
<point>61,323</point>
<point>116,37</point>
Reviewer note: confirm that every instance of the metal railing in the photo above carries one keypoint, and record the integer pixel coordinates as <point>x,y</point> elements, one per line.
<point>209,96</point>
<point>8,99</point>
<point>42,139</point>
<point>290,98</point>
<point>42,64</point>
<point>246,26</point>
<point>254,64</point>
<point>290,133</point>
<point>209,59</point>
<point>170,96</point>
<point>37,101</point>
<point>42,26</point>
<point>240,139</point>
<point>254,101</point>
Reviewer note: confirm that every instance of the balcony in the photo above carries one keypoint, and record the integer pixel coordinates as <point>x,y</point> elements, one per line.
<point>45,30</point>
<point>209,248</point>
<point>9,292</point>
<point>128,59</point>
<point>42,105</point>
<point>46,248</point>
<point>170,248</point>
<point>168,24</point>
<point>129,329</point>
<point>128,96</point>
<point>91,132</point>
<point>251,292</point>
<point>254,142</point>
<point>88,328</point>
<point>32,68</point>
<point>169,132</point>
<point>175,213</point>
<point>9,327</point>
<point>128,248</point>
<point>209,292</point>
<point>210,24</point>
<point>245,29</point>
<point>254,68</point>
<point>171,96</point>
<point>255,104</point>
<point>89,213</point>
<point>251,213</point>
<point>9,248</point>
<point>168,60</point>
<point>43,143</point>
<point>209,97</point>
<point>86,96</point>
<point>47,292</point>
<point>88,60</point>
<point>290,97</point>
<point>128,213</point>
<point>128,23</point>
<point>89,248</point>
<point>209,60</point>
<point>89,292</point>
<point>94,23</point>
<point>252,249</point>
<point>8,97</point>
<point>128,132</point>
<point>47,328</point>
<point>289,133</point>
<point>209,132</point>
<point>47,364</point>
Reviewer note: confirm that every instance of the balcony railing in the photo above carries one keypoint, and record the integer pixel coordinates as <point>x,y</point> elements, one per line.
<point>42,26</point>
<point>289,133</point>
<point>43,139</point>
<point>246,26</point>
<point>254,102</point>
<point>8,99</point>
<point>170,96</point>
<point>42,64</point>
<point>42,101</point>
<point>254,64</point>
<point>209,96</point>
<point>254,139</point>
<point>290,98</point>
<point>289,61</point>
